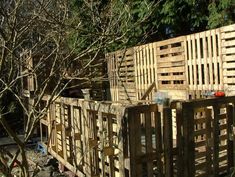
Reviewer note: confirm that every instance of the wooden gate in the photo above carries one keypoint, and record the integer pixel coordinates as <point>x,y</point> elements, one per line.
<point>205,137</point>
<point>150,141</point>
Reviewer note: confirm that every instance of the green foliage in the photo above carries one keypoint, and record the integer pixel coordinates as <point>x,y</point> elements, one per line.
<point>129,23</point>
<point>117,23</point>
<point>221,13</point>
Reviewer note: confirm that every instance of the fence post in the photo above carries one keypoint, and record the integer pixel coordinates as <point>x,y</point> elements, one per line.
<point>168,145</point>
<point>233,133</point>
<point>134,142</point>
<point>230,155</point>
<point>208,144</point>
<point>158,127</point>
<point>216,130</point>
<point>189,144</point>
<point>179,139</point>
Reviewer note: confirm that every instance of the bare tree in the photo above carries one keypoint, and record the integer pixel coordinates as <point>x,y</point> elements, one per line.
<point>40,41</point>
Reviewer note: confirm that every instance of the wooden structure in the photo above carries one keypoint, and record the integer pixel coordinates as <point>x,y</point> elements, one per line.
<point>185,66</point>
<point>36,69</point>
<point>106,139</point>
<point>124,138</point>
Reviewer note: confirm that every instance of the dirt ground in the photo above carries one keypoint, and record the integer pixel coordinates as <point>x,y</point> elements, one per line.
<point>40,165</point>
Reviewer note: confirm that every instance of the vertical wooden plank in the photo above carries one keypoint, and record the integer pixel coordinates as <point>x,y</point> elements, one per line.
<point>233,130</point>
<point>158,128</point>
<point>85,138</point>
<point>155,59</point>
<point>141,69</point>
<point>73,139</point>
<point>205,50</point>
<point>189,143</point>
<point>121,129</point>
<point>51,126</point>
<point>116,76</point>
<point>132,142</point>
<point>208,35</point>
<point>68,133</point>
<point>190,63</point>
<point>110,135</point>
<point>148,68</point>
<point>184,44</point>
<point>145,66</point>
<point>63,137</point>
<point>208,142</point>
<point>56,134</point>
<point>80,130</point>
<point>152,62</point>
<point>101,144</point>
<point>136,71</point>
<point>149,146</point>
<point>101,127</point>
<point>230,154</point>
<point>195,78</point>
<point>168,145</point>
<point>179,139</point>
<point>199,59</point>
<point>215,60</point>
<point>135,143</point>
<point>216,141</point>
<point>95,137</point>
<point>221,78</point>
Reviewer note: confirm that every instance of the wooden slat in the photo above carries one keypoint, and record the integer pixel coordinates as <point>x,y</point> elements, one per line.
<point>230,155</point>
<point>228,28</point>
<point>171,70</point>
<point>205,51</point>
<point>189,144</point>
<point>191,81</point>
<point>197,36</point>
<point>216,141</point>
<point>215,60</point>
<point>135,143</point>
<point>208,145</point>
<point>176,58</point>
<point>159,144</point>
<point>168,146</point>
<point>170,41</point>
<point>149,145</point>
<point>228,35</point>
<point>194,62</point>
<point>179,139</point>
<point>210,60</point>
<point>171,78</point>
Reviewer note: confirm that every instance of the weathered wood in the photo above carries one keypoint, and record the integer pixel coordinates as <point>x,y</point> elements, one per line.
<point>159,145</point>
<point>208,143</point>
<point>189,144</point>
<point>229,138</point>
<point>147,92</point>
<point>168,145</point>
<point>216,141</point>
<point>135,143</point>
<point>149,144</point>
<point>179,142</point>
<point>139,138</point>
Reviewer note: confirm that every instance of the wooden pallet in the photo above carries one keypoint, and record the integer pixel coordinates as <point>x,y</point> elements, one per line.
<point>194,63</point>
<point>103,139</point>
<point>228,55</point>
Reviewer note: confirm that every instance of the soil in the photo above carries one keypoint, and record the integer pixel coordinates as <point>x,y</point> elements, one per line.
<point>39,165</point>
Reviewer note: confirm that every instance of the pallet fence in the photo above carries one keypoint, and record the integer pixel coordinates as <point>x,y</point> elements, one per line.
<point>186,65</point>
<point>99,139</point>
